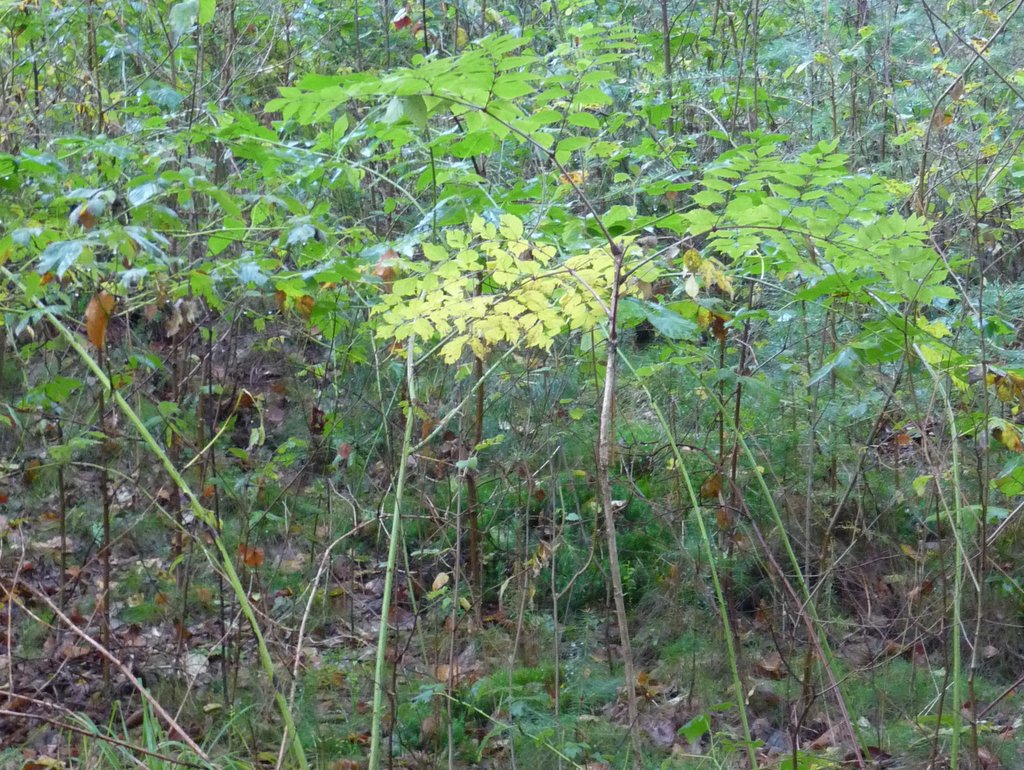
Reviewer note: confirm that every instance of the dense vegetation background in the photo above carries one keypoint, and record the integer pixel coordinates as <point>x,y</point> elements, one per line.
<point>574,383</point>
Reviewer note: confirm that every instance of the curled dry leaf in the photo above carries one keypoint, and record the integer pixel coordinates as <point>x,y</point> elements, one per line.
<point>174,321</point>
<point>97,314</point>
<point>440,581</point>
<point>772,666</point>
<point>402,19</point>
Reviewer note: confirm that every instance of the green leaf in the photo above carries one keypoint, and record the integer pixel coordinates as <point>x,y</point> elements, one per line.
<point>139,195</point>
<point>568,146</point>
<point>695,729</point>
<point>411,108</point>
<point>844,363</point>
<point>183,17</point>
<point>474,143</point>
<point>1010,480</point>
<point>232,231</point>
<point>206,11</point>
<point>167,408</point>
<point>669,323</point>
<point>708,198</point>
<point>920,484</point>
<point>57,388</point>
<point>701,221</point>
<point>583,120</point>
<point>301,233</point>
<point>619,216</point>
<point>59,256</point>
<point>8,167</point>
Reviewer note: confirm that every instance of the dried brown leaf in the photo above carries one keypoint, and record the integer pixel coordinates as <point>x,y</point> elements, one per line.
<point>97,315</point>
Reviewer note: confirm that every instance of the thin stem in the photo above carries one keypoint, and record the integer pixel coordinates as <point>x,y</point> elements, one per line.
<point>389,574</point>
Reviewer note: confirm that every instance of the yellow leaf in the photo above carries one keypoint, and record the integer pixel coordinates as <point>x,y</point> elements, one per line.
<point>452,350</point>
<point>511,227</point>
<point>936,328</point>
<point>692,260</point>
<point>1008,435</point>
<point>440,581</point>
<point>909,551</point>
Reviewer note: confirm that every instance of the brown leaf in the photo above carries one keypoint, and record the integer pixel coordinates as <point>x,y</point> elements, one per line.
<point>443,672</point>
<point>831,737</point>
<point>251,557</point>
<point>430,728</point>
<point>987,759</point>
<point>385,269</point>
<point>940,120</point>
<point>173,322</point>
<point>304,306</point>
<point>86,214</point>
<point>345,764</point>
<point>718,330</point>
<point>97,314</point>
<point>31,469</point>
<point>711,487</point>
<point>771,666</point>
<point>402,19</point>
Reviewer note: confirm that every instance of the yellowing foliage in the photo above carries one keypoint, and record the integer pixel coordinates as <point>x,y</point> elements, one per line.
<point>492,285</point>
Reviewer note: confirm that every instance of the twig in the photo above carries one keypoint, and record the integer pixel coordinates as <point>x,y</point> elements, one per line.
<point>302,627</point>
<point>159,710</point>
<point>87,733</point>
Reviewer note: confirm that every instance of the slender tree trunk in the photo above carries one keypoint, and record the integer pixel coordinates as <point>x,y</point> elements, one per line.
<point>666,31</point>
<point>606,439</point>
<point>473,495</point>
<point>94,66</point>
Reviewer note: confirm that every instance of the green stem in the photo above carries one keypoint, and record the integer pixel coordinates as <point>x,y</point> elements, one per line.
<point>815,623</point>
<point>705,537</point>
<point>201,513</point>
<point>959,533</point>
<point>389,574</point>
